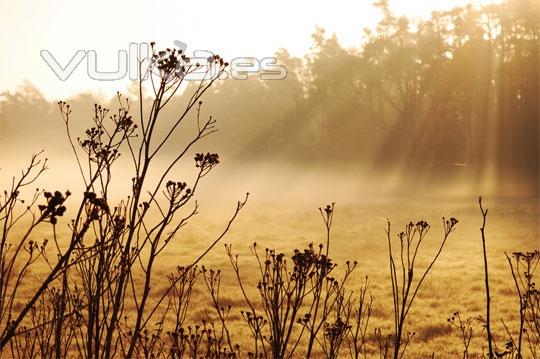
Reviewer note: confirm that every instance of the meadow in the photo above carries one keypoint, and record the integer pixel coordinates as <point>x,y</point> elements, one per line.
<point>456,283</point>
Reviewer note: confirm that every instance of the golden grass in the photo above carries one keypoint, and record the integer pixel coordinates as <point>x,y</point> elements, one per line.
<point>456,282</point>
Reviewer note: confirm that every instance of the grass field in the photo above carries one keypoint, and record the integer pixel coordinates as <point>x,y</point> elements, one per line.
<point>455,284</point>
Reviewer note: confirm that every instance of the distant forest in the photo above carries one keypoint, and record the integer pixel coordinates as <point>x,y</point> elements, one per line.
<point>454,94</point>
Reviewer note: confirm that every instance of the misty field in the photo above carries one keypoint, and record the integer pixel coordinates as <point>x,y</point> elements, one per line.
<point>456,283</point>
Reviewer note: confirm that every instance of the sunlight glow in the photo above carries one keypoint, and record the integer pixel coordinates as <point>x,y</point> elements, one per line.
<point>239,29</point>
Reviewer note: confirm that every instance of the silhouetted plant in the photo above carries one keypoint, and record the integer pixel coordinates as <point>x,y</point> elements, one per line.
<point>334,335</point>
<point>39,339</point>
<point>282,293</point>
<point>198,341</point>
<point>286,289</point>
<point>109,245</point>
<point>338,322</point>
<point>464,326</point>
<point>402,275</point>
<point>523,266</point>
<point>182,289</point>
<point>212,280</point>
<point>17,257</point>
<point>384,343</point>
<point>360,321</point>
<point>487,321</point>
<point>324,287</point>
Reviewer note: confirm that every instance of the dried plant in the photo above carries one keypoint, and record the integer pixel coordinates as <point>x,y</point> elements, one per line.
<point>464,326</point>
<point>360,321</point>
<point>402,275</point>
<point>108,262</point>
<point>212,280</point>
<point>384,343</point>
<point>523,267</point>
<point>297,297</point>
<point>487,321</point>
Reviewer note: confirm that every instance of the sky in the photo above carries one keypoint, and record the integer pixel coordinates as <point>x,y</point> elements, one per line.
<point>232,29</point>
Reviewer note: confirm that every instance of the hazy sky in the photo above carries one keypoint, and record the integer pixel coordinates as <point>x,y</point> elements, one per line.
<point>230,28</point>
